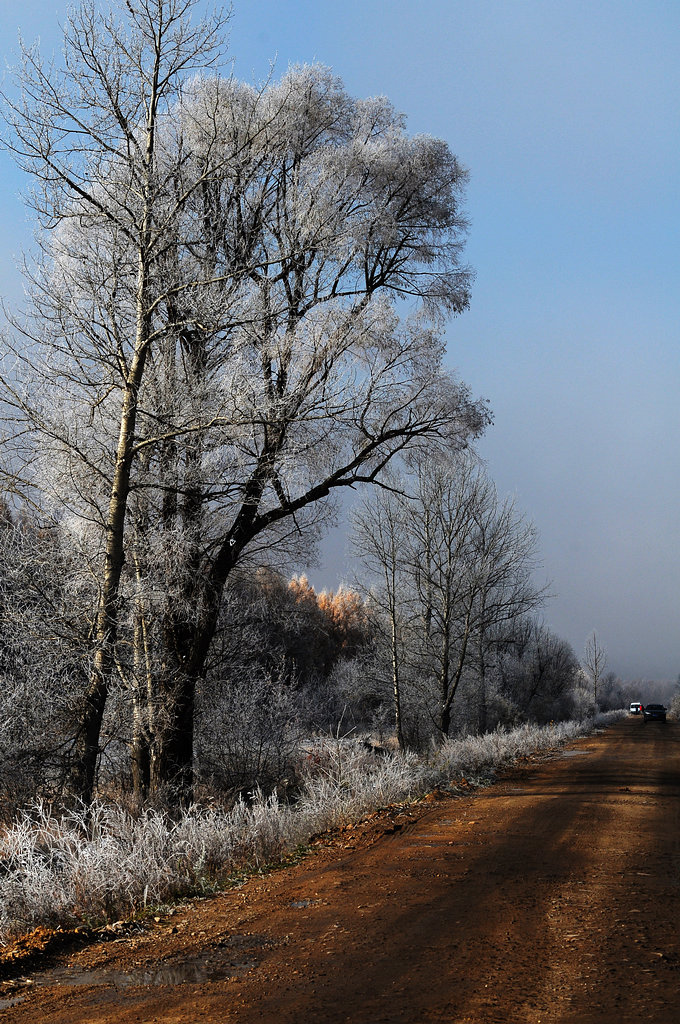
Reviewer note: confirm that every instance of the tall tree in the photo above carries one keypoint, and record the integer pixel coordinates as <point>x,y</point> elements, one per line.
<point>88,133</point>
<point>237,315</point>
<point>379,540</point>
<point>595,662</point>
<point>320,382</point>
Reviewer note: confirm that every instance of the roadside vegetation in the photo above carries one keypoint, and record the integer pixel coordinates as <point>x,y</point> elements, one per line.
<point>102,863</point>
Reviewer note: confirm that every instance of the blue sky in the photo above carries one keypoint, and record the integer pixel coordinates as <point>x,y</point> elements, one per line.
<point>567,115</point>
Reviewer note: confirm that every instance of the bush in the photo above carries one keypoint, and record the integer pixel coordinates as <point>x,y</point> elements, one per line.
<point>247,737</point>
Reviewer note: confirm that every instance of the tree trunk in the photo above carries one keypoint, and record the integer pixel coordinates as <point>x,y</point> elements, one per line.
<point>141,766</point>
<point>172,748</point>
<point>396,690</point>
<point>483,717</point>
<point>142,711</point>
<point>444,720</point>
<point>86,751</point>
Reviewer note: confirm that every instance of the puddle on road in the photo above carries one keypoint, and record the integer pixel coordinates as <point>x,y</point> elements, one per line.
<point>189,972</point>
<point>6,1004</point>
<point>574,753</point>
<point>195,970</point>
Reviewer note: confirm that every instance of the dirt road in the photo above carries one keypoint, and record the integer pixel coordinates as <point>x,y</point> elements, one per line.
<point>552,896</point>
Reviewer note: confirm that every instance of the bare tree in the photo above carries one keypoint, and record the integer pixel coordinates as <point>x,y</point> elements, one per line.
<point>453,558</point>
<point>217,343</point>
<point>320,384</point>
<point>89,135</point>
<point>594,662</point>
<point>378,539</point>
<point>610,692</point>
<point>472,561</point>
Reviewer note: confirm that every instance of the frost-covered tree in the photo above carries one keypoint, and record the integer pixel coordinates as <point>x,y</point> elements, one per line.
<point>453,567</point>
<point>237,313</point>
<point>594,663</point>
<point>380,540</point>
<point>43,656</point>
<point>539,677</point>
<point>89,135</point>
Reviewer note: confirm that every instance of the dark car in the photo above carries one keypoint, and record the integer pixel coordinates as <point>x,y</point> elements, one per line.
<point>654,713</point>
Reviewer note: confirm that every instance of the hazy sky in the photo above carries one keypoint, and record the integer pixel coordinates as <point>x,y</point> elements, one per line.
<point>566,112</point>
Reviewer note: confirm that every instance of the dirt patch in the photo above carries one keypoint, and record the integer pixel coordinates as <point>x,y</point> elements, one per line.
<point>553,895</point>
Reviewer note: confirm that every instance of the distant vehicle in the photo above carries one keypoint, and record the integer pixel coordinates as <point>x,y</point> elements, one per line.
<point>636,708</point>
<point>654,713</point>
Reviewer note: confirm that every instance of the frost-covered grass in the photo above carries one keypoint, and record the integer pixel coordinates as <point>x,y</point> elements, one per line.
<point>477,757</point>
<point>74,869</point>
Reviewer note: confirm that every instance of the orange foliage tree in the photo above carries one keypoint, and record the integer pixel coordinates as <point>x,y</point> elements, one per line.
<point>340,617</point>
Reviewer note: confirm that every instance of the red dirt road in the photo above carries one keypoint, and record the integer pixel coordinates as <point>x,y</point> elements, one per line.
<point>552,896</point>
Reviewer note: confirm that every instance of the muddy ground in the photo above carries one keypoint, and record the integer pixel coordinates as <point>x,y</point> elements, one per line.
<point>551,896</point>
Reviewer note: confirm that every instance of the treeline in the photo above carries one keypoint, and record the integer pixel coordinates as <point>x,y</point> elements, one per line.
<point>287,664</point>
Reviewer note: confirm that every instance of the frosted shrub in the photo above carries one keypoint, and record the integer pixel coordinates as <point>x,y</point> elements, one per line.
<point>477,757</point>
<point>247,736</point>
<point>344,778</point>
